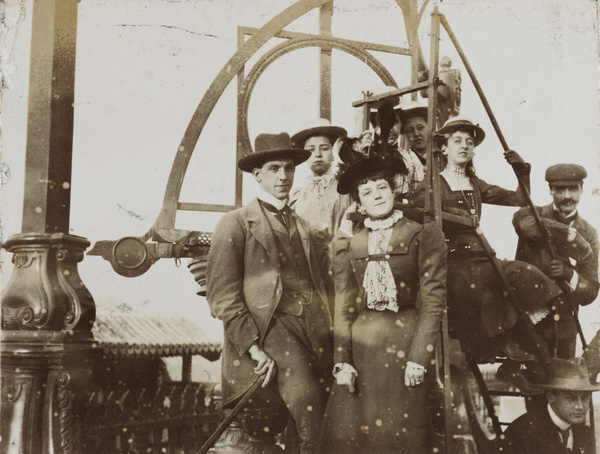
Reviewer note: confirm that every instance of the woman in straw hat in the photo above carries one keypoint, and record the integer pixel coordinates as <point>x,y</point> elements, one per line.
<point>382,342</point>
<point>478,307</point>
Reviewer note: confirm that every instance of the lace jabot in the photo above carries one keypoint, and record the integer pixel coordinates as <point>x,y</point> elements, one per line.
<point>379,284</point>
<point>385,223</point>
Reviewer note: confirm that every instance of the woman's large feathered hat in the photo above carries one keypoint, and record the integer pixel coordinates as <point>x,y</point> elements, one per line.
<point>365,166</point>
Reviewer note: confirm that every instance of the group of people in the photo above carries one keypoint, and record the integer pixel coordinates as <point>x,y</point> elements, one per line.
<point>341,314</point>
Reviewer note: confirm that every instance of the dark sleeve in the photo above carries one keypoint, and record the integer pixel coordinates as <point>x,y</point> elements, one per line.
<point>518,440</point>
<point>432,282</point>
<point>346,293</point>
<point>495,195</point>
<point>587,267</point>
<point>225,276</point>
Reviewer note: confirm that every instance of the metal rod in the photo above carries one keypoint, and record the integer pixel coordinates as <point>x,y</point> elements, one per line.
<point>521,180</point>
<point>231,416</point>
<point>487,399</point>
<point>389,94</point>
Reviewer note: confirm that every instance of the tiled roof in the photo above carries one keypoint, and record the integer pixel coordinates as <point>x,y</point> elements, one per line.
<point>140,334</point>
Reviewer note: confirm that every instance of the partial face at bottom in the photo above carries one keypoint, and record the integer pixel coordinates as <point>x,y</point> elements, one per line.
<point>570,406</point>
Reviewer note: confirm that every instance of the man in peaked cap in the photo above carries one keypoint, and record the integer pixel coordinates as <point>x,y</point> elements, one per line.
<point>559,427</point>
<point>575,243</point>
<point>264,281</point>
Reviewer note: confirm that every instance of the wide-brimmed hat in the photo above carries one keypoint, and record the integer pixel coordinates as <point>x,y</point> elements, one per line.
<point>411,109</point>
<point>454,124</point>
<point>270,147</point>
<point>318,127</point>
<point>367,166</point>
<point>569,375</point>
<point>565,174</point>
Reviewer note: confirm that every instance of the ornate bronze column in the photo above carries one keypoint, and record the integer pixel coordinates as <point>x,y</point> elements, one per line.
<point>47,312</point>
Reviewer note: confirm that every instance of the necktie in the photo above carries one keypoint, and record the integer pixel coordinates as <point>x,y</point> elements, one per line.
<point>282,215</point>
<point>564,435</point>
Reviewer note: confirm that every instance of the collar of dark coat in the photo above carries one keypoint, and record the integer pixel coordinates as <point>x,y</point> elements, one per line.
<point>402,235</point>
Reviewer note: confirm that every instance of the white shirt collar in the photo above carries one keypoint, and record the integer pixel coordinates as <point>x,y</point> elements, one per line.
<point>572,214</point>
<point>558,422</point>
<point>268,198</point>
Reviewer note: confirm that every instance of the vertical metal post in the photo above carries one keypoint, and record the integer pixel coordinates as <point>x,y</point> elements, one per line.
<point>433,213</point>
<point>241,85</point>
<point>47,349</point>
<point>50,118</point>
<point>325,16</point>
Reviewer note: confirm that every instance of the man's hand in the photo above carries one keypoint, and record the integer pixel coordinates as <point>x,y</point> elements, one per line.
<point>413,376</point>
<point>265,365</point>
<point>529,229</point>
<point>559,270</point>
<point>366,140</point>
<point>515,160</point>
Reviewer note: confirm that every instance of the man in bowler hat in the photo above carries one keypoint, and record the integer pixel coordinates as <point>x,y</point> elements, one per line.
<point>559,427</point>
<point>264,281</point>
<point>575,243</point>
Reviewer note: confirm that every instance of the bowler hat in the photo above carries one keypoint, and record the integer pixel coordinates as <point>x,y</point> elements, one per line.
<point>565,174</point>
<point>270,147</point>
<point>318,127</point>
<point>367,166</point>
<point>569,375</point>
<point>454,124</point>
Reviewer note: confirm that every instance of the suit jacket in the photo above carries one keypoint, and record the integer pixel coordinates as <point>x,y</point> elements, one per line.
<point>583,250</point>
<point>535,433</point>
<point>417,260</point>
<point>244,288</point>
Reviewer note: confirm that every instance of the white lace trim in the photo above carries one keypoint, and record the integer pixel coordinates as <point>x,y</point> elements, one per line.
<point>386,223</point>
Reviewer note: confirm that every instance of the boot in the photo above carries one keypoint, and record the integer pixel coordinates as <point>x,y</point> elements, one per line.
<point>510,372</point>
<point>510,347</point>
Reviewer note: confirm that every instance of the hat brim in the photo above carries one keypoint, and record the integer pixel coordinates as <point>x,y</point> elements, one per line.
<point>367,166</point>
<point>253,160</point>
<point>444,133</point>
<point>334,132</point>
<point>584,388</point>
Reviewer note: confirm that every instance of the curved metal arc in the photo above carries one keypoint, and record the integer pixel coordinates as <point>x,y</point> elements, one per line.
<point>166,217</point>
<point>299,43</point>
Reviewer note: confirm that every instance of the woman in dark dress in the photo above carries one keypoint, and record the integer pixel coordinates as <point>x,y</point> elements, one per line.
<point>383,343</point>
<point>478,306</point>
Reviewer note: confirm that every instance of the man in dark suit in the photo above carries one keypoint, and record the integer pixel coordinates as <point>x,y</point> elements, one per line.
<point>559,427</point>
<point>575,243</point>
<point>265,282</point>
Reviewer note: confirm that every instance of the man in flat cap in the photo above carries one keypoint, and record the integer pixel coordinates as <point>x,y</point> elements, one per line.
<point>575,244</point>
<point>559,427</point>
<point>264,281</point>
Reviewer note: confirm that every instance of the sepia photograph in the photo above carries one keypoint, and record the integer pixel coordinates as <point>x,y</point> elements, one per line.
<point>300,226</point>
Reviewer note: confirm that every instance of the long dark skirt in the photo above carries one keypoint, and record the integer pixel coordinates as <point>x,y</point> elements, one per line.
<point>384,415</point>
<point>478,303</point>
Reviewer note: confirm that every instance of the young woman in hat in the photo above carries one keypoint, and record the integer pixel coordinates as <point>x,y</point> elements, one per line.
<point>478,307</point>
<point>383,343</point>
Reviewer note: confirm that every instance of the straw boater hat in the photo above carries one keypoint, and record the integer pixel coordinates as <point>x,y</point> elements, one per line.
<point>569,375</point>
<point>367,166</point>
<point>565,174</point>
<point>318,127</point>
<point>270,147</point>
<point>453,124</point>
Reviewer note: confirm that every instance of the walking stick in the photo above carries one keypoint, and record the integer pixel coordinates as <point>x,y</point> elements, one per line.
<point>231,416</point>
<point>520,179</point>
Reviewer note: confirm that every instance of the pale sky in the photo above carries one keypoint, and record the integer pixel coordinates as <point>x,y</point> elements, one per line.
<point>144,65</point>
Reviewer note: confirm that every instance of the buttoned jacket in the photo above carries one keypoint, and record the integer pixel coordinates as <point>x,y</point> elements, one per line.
<point>244,286</point>
<point>581,255</point>
<point>417,256</point>
<point>535,433</point>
